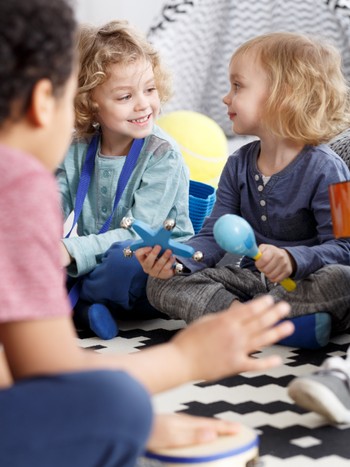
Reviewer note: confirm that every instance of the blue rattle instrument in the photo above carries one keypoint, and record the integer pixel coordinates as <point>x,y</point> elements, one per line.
<point>235,235</point>
<point>160,237</point>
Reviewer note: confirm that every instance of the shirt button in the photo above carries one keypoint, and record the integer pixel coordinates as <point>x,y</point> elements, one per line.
<point>104,190</point>
<point>104,209</point>
<point>106,173</point>
<point>264,218</point>
<point>262,202</point>
<point>260,187</point>
<point>256,176</point>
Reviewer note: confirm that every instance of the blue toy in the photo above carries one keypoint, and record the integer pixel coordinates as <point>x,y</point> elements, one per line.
<point>235,235</point>
<point>160,237</point>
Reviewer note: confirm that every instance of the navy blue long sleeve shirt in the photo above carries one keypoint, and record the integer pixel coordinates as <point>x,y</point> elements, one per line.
<point>292,211</point>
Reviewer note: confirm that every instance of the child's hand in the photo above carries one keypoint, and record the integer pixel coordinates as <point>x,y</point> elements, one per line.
<point>160,267</point>
<point>178,430</point>
<point>276,263</point>
<point>220,344</point>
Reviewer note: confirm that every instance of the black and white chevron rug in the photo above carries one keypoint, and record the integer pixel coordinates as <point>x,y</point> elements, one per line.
<point>289,436</point>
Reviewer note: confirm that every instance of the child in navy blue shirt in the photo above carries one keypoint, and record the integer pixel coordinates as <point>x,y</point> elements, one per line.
<point>288,90</point>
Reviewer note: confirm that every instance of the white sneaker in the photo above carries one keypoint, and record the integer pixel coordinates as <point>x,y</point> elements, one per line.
<point>326,392</point>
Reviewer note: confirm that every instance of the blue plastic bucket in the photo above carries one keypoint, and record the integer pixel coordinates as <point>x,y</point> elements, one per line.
<point>201,202</point>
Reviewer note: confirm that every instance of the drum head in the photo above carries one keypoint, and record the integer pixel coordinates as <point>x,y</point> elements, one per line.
<point>223,447</point>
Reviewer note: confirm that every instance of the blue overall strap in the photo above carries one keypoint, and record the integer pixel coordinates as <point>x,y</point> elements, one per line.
<point>85,178</point>
<point>83,187</point>
<point>74,292</point>
<point>86,174</point>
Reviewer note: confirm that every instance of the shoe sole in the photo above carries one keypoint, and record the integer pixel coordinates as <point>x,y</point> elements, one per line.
<point>316,397</point>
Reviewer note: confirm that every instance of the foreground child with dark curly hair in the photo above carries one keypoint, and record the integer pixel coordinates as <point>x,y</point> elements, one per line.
<point>135,170</point>
<point>60,405</point>
<point>289,91</point>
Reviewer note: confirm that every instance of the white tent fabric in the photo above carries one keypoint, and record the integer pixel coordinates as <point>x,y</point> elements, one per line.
<point>196,39</point>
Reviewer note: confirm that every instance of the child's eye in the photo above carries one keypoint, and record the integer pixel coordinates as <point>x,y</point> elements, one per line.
<point>124,98</point>
<point>236,86</point>
<point>151,89</point>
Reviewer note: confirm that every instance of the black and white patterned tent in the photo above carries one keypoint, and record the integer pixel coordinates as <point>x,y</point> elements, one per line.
<point>197,38</point>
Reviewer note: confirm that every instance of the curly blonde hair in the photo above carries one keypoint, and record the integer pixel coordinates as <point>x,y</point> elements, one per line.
<point>308,97</point>
<point>100,47</point>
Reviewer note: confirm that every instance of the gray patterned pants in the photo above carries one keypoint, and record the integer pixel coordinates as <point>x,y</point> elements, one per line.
<point>214,289</point>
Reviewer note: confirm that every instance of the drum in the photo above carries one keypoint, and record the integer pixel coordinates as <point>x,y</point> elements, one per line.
<point>240,450</point>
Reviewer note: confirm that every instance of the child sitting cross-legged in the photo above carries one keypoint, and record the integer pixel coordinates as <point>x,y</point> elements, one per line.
<point>289,91</point>
<point>120,164</point>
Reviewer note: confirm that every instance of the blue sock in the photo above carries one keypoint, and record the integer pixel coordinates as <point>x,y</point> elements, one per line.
<point>311,331</point>
<point>102,322</point>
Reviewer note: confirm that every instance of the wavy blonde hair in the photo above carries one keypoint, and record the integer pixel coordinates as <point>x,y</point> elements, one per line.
<point>99,48</point>
<point>308,97</point>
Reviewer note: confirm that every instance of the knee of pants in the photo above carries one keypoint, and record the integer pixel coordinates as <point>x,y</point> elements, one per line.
<point>120,414</point>
<point>74,419</point>
<point>117,279</point>
<point>336,276</point>
<point>341,269</point>
<point>118,403</point>
<point>97,403</point>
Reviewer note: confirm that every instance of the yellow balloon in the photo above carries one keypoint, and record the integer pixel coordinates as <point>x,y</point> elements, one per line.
<point>202,142</point>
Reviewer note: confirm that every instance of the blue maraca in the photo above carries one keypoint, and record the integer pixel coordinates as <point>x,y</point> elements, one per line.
<point>235,235</point>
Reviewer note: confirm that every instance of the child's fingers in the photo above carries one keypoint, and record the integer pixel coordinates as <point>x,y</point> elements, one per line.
<point>148,256</point>
<point>270,317</point>
<point>273,335</point>
<point>265,313</point>
<point>163,263</point>
<point>179,430</point>
<point>155,264</point>
<point>142,253</point>
<point>261,364</point>
<point>259,320</point>
<point>250,312</point>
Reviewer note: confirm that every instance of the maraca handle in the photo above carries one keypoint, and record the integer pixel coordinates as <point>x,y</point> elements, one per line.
<point>288,284</point>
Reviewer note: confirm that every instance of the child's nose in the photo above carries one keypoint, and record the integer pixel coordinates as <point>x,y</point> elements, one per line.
<point>141,102</point>
<point>226,99</point>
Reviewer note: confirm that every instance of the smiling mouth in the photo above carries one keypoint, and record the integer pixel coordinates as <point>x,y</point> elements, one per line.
<point>140,121</point>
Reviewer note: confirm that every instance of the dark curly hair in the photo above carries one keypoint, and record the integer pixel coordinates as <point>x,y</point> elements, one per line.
<point>37,41</point>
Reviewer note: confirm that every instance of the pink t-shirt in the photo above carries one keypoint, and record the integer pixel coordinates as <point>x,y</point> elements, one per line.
<point>32,283</point>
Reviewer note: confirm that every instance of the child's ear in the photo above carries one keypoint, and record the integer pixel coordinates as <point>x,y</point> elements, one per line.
<point>42,105</point>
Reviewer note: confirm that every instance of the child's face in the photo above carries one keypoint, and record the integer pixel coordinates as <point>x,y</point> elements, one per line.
<point>247,96</point>
<point>128,101</point>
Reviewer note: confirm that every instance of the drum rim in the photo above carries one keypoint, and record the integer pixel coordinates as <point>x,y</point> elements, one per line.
<point>207,458</point>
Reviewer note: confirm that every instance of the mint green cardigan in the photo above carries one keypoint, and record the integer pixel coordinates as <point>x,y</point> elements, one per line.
<point>157,189</point>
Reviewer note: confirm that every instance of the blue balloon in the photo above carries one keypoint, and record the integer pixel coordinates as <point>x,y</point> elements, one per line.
<point>235,235</point>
